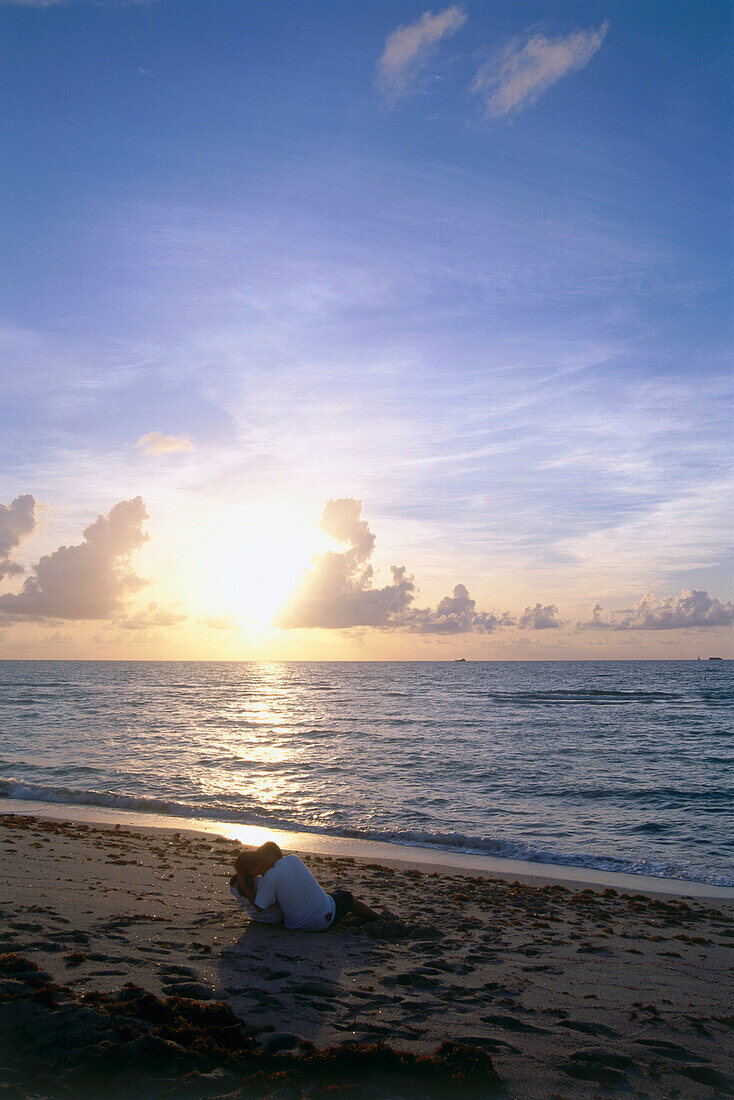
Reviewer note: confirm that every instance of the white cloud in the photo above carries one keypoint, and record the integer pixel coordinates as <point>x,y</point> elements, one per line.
<point>338,593</point>
<point>153,615</point>
<point>455,614</point>
<point>17,520</point>
<point>692,608</point>
<point>690,531</point>
<point>89,581</point>
<point>516,76</point>
<point>540,618</point>
<point>156,443</point>
<point>407,49</point>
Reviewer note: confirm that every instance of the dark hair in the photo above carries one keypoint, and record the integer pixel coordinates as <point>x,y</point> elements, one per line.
<point>270,849</point>
<point>246,861</point>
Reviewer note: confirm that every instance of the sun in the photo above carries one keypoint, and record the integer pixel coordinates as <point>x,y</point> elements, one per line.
<point>242,561</point>
<point>222,561</point>
<point>263,571</point>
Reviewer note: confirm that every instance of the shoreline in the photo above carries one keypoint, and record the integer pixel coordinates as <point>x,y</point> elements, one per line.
<point>393,855</point>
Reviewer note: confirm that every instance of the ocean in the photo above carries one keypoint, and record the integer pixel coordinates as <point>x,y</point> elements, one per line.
<point>619,766</point>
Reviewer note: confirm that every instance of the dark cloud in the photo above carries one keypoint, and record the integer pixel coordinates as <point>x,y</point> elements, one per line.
<point>88,581</point>
<point>691,609</point>
<point>17,520</point>
<point>540,618</point>
<point>338,592</point>
<point>153,615</point>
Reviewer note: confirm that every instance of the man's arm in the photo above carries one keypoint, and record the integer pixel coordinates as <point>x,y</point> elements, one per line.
<point>266,890</point>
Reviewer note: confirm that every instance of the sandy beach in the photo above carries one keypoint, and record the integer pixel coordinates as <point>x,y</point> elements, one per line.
<point>128,969</point>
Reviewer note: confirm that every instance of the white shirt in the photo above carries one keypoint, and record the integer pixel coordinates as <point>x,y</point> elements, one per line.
<point>305,905</point>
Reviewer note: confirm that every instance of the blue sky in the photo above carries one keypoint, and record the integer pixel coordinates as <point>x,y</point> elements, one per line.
<point>470,265</point>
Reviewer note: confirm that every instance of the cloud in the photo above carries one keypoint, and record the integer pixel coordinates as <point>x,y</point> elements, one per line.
<point>153,615</point>
<point>692,608</point>
<point>89,581</point>
<point>338,593</point>
<point>218,622</point>
<point>540,618</point>
<point>17,520</point>
<point>407,49</point>
<point>455,614</point>
<point>156,443</point>
<point>516,76</point>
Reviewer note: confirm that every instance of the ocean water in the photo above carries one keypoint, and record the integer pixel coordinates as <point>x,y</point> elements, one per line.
<point>621,766</point>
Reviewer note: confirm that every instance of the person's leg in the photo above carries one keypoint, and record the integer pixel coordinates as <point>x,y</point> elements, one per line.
<point>359,909</point>
<point>345,903</point>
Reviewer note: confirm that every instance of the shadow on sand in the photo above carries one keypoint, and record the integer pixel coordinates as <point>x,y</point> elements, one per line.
<point>282,980</point>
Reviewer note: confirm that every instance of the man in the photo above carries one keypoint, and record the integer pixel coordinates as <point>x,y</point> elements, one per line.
<point>287,882</point>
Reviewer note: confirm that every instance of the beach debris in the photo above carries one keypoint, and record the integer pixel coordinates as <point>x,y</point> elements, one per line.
<point>56,1042</point>
<point>390,927</point>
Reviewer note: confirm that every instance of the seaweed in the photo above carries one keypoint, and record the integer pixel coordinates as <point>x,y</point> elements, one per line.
<point>56,1043</point>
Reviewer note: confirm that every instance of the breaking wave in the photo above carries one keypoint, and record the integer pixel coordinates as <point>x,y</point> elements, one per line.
<point>502,848</point>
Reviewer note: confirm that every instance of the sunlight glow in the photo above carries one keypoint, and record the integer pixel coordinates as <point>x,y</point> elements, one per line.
<point>244,562</point>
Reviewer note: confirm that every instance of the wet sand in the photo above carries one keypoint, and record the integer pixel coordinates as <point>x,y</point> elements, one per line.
<point>474,984</point>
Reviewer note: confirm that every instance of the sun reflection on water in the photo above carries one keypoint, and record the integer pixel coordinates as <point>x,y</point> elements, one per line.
<point>261,746</point>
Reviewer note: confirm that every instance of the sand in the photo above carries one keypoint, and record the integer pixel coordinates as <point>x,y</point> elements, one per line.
<point>128,970</point>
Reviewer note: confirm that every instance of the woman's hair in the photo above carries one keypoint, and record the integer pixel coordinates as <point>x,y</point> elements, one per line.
<point>246,862</point>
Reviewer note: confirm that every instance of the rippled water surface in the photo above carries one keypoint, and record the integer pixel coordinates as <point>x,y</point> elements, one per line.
<point>621,765</point>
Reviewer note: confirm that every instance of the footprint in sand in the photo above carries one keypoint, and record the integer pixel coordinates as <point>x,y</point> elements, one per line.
<point>176,972</point>
<point>670,1050</point>
<point>316,989</point>
<point>268,973</point>
<point>590,1029</point>
<point>414,981</point>
<point>509,1023</point>
<point>598,1066</point>
<point>494,1046</point>
<point>704,1075</point>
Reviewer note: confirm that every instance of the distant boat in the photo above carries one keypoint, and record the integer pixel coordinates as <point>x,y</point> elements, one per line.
<point>457,659</point>
<point>716,658</point>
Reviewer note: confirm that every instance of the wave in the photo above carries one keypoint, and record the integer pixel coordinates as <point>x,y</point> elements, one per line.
<point>448,842</point>
<point>593,696</point>
<point>661,797</point>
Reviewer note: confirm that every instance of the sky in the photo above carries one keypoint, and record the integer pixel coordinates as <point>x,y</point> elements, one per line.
<point>366,331</point>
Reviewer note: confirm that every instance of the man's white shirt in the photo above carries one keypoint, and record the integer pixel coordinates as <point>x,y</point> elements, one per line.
<point>305,905</point>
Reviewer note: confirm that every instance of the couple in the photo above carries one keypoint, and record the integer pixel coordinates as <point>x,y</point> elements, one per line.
<point>278,889</point>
